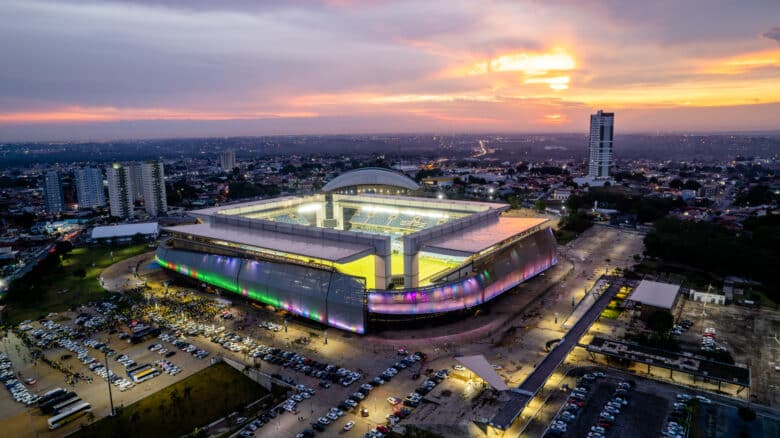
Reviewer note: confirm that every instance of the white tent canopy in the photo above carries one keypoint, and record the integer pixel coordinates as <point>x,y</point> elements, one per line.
<point>125,230</point>
<point>481,367</point>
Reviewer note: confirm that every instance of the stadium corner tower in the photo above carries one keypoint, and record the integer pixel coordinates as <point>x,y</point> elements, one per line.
<point>362,252</point>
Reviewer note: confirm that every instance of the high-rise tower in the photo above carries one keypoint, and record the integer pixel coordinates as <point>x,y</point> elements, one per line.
<point>153,179</point>
<point>89,187</point>
<point>120,190</point>
<point>54,200</point>
<point>600,145</point>
<point>227,160</point>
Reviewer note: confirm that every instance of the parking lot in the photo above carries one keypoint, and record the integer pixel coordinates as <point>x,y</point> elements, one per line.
<point>750,335</point>
<point>618,414</point>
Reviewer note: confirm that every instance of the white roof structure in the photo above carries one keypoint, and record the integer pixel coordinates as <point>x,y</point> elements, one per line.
<point>325,249</point>
<point>481,367</point>
<point>125,230</point>
<point>474,240</point>
<point>653,293</point>
<point>371,176</point>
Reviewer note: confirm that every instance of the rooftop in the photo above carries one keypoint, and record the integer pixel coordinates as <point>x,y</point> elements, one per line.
<point>656,294</point>
<point>323,249</point>
<point>477,239</point>
<point>370,176</point>
<point>124,230</point>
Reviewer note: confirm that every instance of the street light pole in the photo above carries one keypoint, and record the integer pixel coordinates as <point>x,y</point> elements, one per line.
<point>108,381</point>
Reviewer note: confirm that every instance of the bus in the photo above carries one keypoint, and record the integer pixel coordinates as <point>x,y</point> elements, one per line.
<point>59,407</point>
<point>48,406</point>
<point>145,375</point>
<point>70,414</point>
<point>63,405</point>
<point>141,332</point>
<point>137,369</point>
<point>50,395</point>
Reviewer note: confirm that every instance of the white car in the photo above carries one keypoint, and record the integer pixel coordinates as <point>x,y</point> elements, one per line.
<point>349,425</point>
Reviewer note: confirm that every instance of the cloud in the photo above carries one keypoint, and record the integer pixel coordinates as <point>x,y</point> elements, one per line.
<point>294,64</point>
<point>773,34</point>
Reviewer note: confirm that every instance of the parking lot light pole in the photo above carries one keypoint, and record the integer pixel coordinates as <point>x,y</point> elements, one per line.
<point>108,381</point>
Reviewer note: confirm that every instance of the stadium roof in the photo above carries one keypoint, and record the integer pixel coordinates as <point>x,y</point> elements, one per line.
<point>481,367</point>
<point>370,176</point>
<point>477,239</point>
<point>323,249</point>
<point>653,293</point>
<point>125,230</point>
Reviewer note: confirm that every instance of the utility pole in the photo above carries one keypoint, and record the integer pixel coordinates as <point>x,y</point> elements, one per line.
<point>108,381</point>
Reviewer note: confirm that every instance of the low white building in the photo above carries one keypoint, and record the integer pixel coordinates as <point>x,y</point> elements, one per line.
<point>711,296</point>
<point>126,232</point>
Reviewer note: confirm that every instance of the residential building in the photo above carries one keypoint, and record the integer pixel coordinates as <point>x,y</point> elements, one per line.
<point>135,176</point>
<point>227,160</point>
<point>54,200</point>
<point>600,144</point>
<point>153,180</point>
<point>120,190</point>
<point>89,187</point>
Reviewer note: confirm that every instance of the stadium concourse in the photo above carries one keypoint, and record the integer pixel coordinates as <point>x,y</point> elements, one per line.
<point>361,253</point>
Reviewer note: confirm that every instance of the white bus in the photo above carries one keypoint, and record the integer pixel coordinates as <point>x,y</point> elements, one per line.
<point>61,406</point>
<point>70,414</point>
<point>145,375</point>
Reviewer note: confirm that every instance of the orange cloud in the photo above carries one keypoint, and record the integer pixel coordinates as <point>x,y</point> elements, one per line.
<point>554,119</point>
<point>536,68</point>
<point>111,114</point>
<point>743,63</point>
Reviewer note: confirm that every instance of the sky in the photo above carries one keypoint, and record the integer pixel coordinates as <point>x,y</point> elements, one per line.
<point>96,70</point>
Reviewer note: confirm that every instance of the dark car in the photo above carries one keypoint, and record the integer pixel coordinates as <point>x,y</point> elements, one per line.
<point>170,353</point>
<point>318,427</point>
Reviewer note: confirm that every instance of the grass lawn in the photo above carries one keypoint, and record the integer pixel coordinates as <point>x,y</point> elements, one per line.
<point>178,409</point>
<point>57,288</point>
<point>762,299</point>
<point>565,236</point>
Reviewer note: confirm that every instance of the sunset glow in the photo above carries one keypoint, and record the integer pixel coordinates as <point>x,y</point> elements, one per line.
<point>311,67</point>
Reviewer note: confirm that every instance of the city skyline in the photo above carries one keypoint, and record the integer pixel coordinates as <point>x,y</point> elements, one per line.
<point>139,69</point>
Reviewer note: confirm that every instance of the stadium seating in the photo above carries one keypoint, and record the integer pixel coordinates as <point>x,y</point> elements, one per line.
<point>290,218</point>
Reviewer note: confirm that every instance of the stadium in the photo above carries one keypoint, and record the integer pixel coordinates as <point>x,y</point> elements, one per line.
<point>362,253</point>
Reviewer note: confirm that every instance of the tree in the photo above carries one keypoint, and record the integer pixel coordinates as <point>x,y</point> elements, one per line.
<point>660,322</point>
<point>540,205</point>
<point>80,273</point>
<point>676,183</point>
<point>746,414</point>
